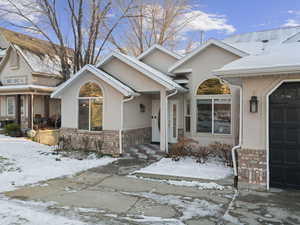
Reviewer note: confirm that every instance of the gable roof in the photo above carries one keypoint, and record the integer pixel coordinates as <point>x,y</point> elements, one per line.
<point>39,54</point>
<point>160,48</point>
<point>150,72</point>
<point>201,48</point>
<point>125,90</point>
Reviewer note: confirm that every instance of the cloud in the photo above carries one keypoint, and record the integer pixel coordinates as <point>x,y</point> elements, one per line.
<point>291,23</point>
<point>201,21</point>
<point>294,12</point>
<point>294,21</point>
<point>198,20</point>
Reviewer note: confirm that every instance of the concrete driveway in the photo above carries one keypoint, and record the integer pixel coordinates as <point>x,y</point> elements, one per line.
<point>106,195</point>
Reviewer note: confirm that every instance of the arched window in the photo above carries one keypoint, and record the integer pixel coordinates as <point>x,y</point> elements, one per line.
<point>90,105</point>
<point>213,87</point>
<point>213,107</point>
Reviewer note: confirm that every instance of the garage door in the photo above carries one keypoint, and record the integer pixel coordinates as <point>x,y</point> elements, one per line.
<point>284,136</point>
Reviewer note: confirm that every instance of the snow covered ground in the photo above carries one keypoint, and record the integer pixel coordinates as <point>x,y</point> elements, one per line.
<point>26,162</point>
<point>30,213</point>
<point>187,167</point>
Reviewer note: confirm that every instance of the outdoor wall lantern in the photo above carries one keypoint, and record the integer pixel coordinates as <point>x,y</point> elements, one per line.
<point>142,108</point>
<point>253,104</point>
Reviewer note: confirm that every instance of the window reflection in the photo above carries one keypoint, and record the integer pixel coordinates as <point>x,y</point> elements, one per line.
<point>90,107</point>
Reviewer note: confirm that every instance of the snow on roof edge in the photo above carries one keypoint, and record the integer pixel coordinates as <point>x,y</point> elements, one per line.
<point>161,48</point>
<point>127,91</point>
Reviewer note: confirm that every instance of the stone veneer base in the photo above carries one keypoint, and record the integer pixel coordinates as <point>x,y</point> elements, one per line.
<point>252,166</point>
<point>134,137</point>
<point>79,139</point>
<point>87,140</point>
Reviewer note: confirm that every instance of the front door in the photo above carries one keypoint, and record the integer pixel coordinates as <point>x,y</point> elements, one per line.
<point>284,136</point>
<point>172,121</point>
<point>155,120</point>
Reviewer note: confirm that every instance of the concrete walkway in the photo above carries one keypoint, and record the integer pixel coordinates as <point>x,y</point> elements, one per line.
<point>106,195</point>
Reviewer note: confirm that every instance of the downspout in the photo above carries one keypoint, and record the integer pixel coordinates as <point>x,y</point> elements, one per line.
<point>167,127</point>
<point>239,146</point>
<point>122,122</point>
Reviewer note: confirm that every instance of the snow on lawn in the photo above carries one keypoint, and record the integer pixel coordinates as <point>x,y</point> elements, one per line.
<point>199,185</point>
<point>26,162</point>
<point>29,213</point>
<point>187,167</point>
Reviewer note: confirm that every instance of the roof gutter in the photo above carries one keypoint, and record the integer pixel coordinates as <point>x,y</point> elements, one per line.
<point>257,72</point>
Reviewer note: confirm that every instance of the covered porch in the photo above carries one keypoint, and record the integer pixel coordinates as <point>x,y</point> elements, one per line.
<point>29,106</point>
<point>159,119</point>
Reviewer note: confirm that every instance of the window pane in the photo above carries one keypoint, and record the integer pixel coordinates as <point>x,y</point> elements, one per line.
<point>204,116</point>
<point>11,106</point>
<point>83,114</point>
<point>187,124</point>
<point>90,89</point>
<point>96,114</point>
<point>222,116</point>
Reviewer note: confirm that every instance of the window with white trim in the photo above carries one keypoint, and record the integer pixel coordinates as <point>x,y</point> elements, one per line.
<point>90,107</point>
<point>11,105</point>
<point>188,116</point>
<point>213,107</point>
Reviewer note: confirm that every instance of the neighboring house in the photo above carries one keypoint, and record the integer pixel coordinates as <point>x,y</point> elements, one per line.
<point>29,73</point>
<point>161,96</point>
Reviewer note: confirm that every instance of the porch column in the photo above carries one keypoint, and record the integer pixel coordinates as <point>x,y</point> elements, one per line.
<point>46,106</point>
<point>163,119</point>
<point>30,111</point>
<point>18,109</point>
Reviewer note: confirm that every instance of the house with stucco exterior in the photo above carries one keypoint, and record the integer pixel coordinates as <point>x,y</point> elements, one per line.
<point>243,91</point>
<point>29,73</point>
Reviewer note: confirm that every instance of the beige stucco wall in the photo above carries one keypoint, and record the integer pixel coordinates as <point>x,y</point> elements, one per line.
<point>131,76</point>
<point>202,66</point>
<point>133,118</point>
<point>159,60</point>
<point>255,124</point>
<point>112,104</point>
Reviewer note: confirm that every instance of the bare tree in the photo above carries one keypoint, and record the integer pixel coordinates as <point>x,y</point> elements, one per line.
<point>90,22</point>
<point>156,22</point>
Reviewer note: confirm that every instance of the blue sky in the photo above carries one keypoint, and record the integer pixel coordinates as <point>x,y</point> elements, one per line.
<point>251,15</point>
<point>221,18</point>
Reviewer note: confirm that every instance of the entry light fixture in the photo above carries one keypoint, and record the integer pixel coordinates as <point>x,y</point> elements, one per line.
<point>253,104</point>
